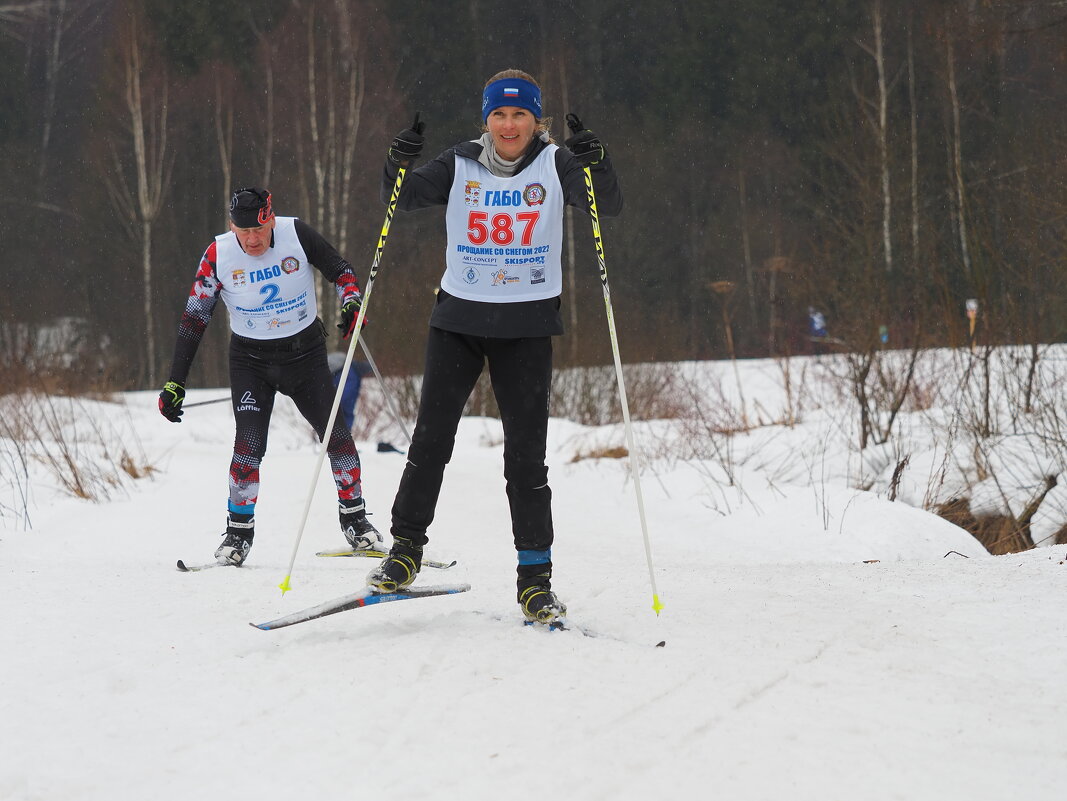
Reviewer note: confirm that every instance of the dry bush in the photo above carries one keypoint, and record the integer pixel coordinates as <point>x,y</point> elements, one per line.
<point>880,383</point>
<point>14,476</point>
<point>608,452</point>
<point>59,359</point>
<point>375,419</point>
<point>584,395</point>
<point>87,454</point>
<point>998,534</point>
<point>923,394</point>
<point>1060,537</point>
<point>1009,396</point>
<point>590,395</point>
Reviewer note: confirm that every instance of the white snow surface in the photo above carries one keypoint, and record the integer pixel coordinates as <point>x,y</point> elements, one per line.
<point>820,642</point>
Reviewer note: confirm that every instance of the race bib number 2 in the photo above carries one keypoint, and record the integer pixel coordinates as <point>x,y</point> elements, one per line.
<point>501,228</point>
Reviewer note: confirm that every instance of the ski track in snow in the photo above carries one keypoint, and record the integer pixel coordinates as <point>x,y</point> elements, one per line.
<point>791,670</point>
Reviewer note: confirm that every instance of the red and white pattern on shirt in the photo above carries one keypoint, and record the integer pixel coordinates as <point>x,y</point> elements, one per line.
<point>206,284</point>
<point>347,287</point>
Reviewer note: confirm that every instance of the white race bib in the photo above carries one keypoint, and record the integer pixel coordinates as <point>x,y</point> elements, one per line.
<point>269,296</point>
<point>505,235</point>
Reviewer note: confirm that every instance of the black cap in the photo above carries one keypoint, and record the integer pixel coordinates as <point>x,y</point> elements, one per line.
<point>250,207</point>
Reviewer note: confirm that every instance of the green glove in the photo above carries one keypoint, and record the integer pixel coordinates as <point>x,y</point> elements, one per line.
<point>349,313</point>
<point>170,401</point>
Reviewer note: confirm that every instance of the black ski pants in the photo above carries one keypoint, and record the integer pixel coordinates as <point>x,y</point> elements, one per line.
<point>295,366</point>
<point>521,374</point>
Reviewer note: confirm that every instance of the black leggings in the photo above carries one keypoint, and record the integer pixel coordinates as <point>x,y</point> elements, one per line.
<point>521,375</point>
<point>258,371</point>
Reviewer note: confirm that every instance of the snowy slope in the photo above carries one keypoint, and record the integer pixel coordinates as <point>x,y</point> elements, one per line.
<point>821,643</point>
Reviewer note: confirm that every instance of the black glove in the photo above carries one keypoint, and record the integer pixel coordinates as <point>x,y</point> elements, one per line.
<point>349,312</point>
<point>584,144</point>
<point>170,401</point>
<point>586,147</point>
<point>407,145</point>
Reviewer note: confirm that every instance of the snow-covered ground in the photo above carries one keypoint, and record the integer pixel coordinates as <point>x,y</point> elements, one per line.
<point>821,642</point>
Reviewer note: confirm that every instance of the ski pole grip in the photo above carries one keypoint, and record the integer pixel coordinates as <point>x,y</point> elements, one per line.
<point>574,123</point>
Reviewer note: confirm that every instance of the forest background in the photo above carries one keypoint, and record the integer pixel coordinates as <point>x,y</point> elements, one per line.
<point>882,162</point>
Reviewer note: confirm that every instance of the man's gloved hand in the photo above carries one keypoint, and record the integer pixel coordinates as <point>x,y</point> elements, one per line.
<point>407,145</point>
<point>170,401</point>
<point>349,313</point>
<point>586,147</point>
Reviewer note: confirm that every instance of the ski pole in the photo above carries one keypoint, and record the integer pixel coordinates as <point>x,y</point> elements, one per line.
<point>575,125</point>
<point>389,211</point>
<point>204,403</point>
<point>385,391</point>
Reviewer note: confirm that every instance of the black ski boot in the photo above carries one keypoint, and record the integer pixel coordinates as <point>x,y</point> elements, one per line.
<point>398,569</point>
<point>237,541</point>
<point>358,530</point>
<point>539,604</point>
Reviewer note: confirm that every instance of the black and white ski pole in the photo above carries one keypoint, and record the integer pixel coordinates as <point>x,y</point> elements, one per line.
<point>389,211</point>
<point>385,390</point>
<point>575,125</point>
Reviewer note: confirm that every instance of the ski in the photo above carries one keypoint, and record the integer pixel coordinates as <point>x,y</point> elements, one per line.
<point>186,568</point>
<point>556,625</point>
<point>381,555</point>
<point>564,625</point>
<point>193,568</point>
<point>364,597</point>
<point>561,624</point>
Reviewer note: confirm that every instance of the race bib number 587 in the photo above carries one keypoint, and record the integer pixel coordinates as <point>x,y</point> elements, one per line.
<point>501,228</point>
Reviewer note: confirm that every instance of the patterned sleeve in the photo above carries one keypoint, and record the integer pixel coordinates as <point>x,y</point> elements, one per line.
<point>346,286</point>
<point>198,310</point>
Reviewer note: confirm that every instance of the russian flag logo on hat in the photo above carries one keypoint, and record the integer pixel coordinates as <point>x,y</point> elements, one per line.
<point>511,91</point>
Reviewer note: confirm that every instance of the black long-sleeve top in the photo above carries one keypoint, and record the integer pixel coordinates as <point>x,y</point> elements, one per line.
<point>430,185</point>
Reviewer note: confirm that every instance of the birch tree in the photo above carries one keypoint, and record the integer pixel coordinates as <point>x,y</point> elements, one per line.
<point>65,24</point>
<point>913,114</point>
<point>335,89</point>
<point>138,175</point>
<point>15,15</point>
<point>956,143</point>
<point>878,112</point>
<point>224,136</point>
<point>266,48</point>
